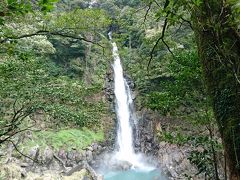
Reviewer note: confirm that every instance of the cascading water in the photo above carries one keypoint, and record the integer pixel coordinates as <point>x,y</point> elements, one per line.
<point>124,135</point>
<point>125,149</point>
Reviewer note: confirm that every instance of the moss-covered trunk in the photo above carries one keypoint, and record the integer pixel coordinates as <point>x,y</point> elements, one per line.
<point>219,50</point>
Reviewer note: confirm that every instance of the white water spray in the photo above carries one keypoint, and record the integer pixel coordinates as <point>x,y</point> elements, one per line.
<point>125,150</point>
<point>124,155</point>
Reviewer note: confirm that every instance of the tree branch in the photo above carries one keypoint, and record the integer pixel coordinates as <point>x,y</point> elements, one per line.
<point>54,33</point>
<point>184,20</point>
<point>57,158</point>
<point>164,42</point>
<point>187,21</point>
<point>156,3</point>
<point>24,155</point>
<point>14,133</point>
<point>161,38</point>
<point>18,116</point>
<point>148,9</point>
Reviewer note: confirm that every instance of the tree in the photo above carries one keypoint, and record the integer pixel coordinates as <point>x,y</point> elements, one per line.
<point>9,8</point>
<point>219,50</point>
<point>30,82</point>
<point>215,24</point>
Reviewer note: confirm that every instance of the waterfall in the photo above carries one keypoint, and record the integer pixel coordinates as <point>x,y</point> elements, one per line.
<point>125,149</point>
<point>123,162</point>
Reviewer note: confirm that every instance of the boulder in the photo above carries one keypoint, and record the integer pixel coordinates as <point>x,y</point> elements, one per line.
<point>47,155</point>
<point>89,156</point>
<point>121,165</point>
<point>78,157</point>
<point>34,153</point>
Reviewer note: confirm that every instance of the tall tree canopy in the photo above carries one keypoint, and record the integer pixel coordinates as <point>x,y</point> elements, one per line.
<point>216,27</point>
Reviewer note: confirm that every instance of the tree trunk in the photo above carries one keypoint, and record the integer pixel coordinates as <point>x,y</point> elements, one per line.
<point>219,51</point>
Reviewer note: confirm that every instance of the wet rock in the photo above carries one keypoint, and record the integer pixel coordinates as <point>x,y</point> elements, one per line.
<point>149,138</point>
<point>69,163</point>
<point>173,160</point>
<point>126,166</point>
<point>90,148</point>
<point>62,155</point>
<point>55,165</point>
<point>84,154</point>
<point>78,157</point>
<point>47,155</point>
<point>34,153</point>
<point>71,155</point>
<point>134,95</point>
<point>89,156</point>
<point>120,165</point>
<point>95,146</point>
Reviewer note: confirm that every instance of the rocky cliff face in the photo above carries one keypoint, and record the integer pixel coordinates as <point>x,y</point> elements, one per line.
<point>171,158</point>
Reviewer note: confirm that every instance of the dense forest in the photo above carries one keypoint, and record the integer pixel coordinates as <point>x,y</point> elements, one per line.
<point>181,59</point>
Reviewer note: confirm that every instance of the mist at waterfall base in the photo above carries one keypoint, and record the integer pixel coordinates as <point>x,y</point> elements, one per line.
<point>124,163</point>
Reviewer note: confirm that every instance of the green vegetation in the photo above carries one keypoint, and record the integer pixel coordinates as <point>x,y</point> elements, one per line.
<point>178,86</point>
<point>30,85</point>
<point>182,55</point>
<point>53,66</point>
<point>64,139</point>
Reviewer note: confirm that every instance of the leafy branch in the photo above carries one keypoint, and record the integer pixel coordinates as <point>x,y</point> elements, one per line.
<point>161,38</point>
<point>47,33</point>
<point>12,128</point>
